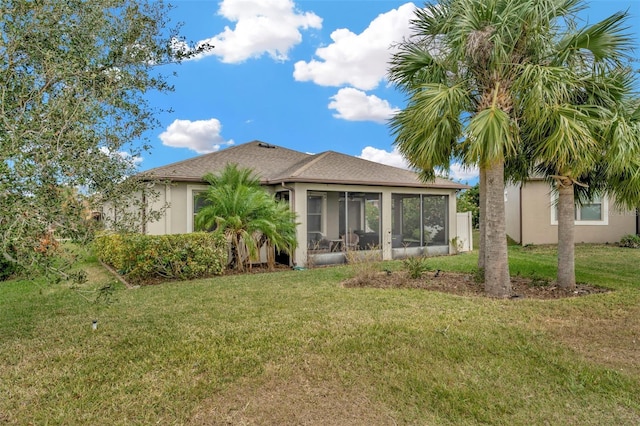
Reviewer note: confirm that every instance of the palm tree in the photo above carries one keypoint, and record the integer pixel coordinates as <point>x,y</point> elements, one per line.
<point>458,69</point>
<point>578,94</point>
<point>278,231</point>
<point>620,170</point>
<point>487,81</point>
<point>249,217</point>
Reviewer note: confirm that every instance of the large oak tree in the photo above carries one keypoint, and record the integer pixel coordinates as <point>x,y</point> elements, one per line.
<point>73,113</point>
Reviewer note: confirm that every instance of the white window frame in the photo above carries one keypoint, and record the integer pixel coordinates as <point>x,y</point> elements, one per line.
<point>190,213</point>
<point>323,212</point>
<point>604,208</point>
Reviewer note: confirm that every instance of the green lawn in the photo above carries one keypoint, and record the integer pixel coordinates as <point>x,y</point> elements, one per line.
<point>297,348</point>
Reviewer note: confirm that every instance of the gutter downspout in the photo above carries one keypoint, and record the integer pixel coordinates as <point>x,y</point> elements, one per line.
<point>292,194</point>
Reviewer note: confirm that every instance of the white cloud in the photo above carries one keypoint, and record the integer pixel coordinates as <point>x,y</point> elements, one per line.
<point>201,136</point>
<point>359,60</point>
<point>354,105</point>
<point>457,171</point>
<point>393,158</point>
<point>261,26</point>
<point>462,173</point>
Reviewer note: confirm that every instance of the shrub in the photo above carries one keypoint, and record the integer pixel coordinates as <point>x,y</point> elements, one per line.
<point>364,264</point>
<point>7,268</point>
<point>144,258</point>
<point>415,266</point>
<point>631,241</point>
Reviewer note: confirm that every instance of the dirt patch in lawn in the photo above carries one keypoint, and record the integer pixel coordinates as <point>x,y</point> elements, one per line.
<point>295,397</point>
<point>466,285</point>
<point>613,340</point>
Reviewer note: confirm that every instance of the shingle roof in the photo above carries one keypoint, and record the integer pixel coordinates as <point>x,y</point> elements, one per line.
<point>275,165</point>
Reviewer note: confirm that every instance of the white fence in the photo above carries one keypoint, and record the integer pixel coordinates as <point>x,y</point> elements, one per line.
<point>464,231</point>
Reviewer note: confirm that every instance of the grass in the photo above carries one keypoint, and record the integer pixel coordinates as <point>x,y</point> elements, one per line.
<point>297,348</point>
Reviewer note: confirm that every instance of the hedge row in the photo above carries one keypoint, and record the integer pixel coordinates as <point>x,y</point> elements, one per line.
<point>147,258</point>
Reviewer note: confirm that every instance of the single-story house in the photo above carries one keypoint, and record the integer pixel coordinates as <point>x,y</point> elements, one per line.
<point>340,201</point>
<point>531,216</point>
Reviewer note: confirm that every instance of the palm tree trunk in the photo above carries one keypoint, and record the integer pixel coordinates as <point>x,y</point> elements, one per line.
<point>236,252</point>
<point>271,256</point>
<point>566,235</point>
<point>481,219</point>
<point>496,268</point>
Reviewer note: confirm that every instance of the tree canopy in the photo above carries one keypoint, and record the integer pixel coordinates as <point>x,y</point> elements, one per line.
<point>73,115</point>
<point>458,69</point>
<point>508,82</point>
<point>581,134</point>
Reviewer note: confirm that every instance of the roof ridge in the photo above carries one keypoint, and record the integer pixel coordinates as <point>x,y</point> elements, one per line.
<point>314,159</point>
<point>199,157</point>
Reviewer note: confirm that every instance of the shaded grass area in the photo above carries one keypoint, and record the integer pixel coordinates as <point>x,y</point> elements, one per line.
<point>297,348</point>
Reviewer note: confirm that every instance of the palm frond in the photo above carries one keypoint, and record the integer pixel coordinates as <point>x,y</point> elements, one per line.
<point>249,216</point>
<point>607,40</point>
<point>491,136</point>
<point>427,130</point>
<point>415,64</point>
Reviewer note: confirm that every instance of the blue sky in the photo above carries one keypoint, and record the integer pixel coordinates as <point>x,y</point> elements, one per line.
<point>307,75</point>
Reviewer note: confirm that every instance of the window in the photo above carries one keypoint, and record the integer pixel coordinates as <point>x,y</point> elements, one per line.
<point>434,218</point>
<point>198,203</point>
<point>194,204</point>
<point>359,213</point>
<point>333,214</point>
<point>406,220</point>
<point>314,213</point>
<point>316,221</point>
<point>593,213</point>
<point>420,220</point>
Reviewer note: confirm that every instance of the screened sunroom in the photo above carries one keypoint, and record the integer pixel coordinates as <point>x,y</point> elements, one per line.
<point>340,222</point>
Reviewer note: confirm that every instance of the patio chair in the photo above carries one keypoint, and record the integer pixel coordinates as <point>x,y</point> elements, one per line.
<point>350,241</point>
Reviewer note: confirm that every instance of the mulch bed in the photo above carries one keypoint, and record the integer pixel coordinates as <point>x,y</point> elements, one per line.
<point>465,285</point>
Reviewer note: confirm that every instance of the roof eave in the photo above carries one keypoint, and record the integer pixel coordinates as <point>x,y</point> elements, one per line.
<point>368,183</point>
<point>193,179</point>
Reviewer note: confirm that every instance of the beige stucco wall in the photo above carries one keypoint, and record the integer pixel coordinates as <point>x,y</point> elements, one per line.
<point>178,198</point>
<point>538,227</point>
<point>512,211</point>
<point>159,227</point>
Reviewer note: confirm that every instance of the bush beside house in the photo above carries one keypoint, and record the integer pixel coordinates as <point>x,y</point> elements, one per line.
<point>146,258</point>
<point>631,241</point>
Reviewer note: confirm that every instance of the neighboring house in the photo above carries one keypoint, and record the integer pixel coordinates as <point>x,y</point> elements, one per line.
<point>532,217</point>
<point>341,201</point>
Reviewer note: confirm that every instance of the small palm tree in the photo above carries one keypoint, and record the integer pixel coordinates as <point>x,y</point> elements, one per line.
<point>249,217</point>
